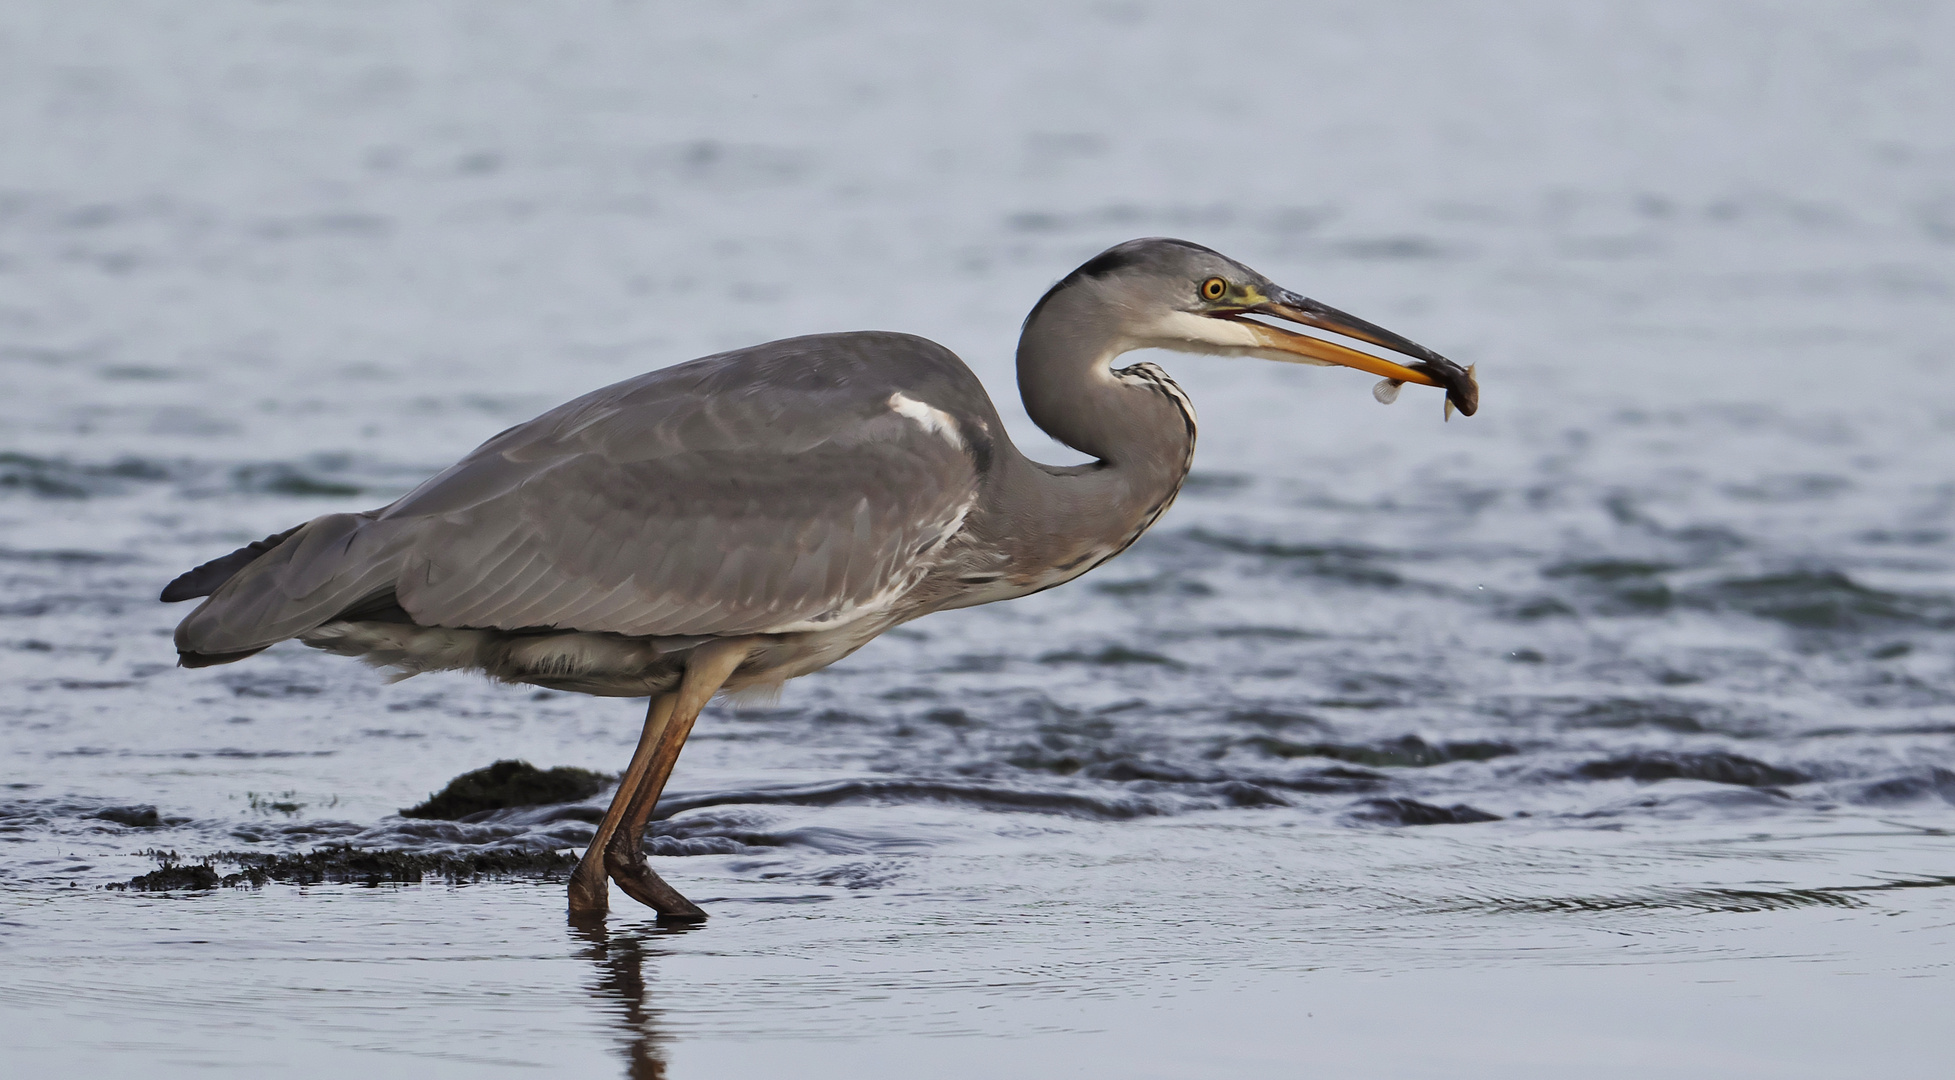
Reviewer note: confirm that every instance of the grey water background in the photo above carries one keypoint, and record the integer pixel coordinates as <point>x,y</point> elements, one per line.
<point>1612,729</point>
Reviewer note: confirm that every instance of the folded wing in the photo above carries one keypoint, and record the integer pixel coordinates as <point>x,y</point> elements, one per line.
<point>796,486</point>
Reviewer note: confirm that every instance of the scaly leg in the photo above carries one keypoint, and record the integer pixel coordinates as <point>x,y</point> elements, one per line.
<point>624,857</point>
<point>590,887</point>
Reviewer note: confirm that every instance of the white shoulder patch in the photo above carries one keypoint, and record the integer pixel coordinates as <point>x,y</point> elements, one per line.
<point>929,417</point>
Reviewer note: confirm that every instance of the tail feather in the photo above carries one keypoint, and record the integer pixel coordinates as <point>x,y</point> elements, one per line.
<point>295,581</point>
<point>206,579</point>
<point>201,659</point>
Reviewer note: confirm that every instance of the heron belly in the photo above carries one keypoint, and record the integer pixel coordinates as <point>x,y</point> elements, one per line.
<point>603,665</point>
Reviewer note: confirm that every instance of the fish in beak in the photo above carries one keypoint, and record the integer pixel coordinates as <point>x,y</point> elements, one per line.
<point>1426,367</point>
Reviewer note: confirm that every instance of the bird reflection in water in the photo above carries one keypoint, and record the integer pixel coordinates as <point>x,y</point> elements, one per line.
<point>620,958</point>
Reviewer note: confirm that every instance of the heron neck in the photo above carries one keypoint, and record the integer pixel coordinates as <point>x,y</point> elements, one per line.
<point>1066,381</point>
<point>1136,424</point>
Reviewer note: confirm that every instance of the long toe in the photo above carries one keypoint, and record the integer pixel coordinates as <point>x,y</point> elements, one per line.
<point>627,867</point>
<point>649,889</point>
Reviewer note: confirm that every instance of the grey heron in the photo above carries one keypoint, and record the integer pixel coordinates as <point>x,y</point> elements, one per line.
<point>745,518</point>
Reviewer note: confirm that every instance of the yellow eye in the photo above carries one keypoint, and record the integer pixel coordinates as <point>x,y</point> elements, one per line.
<point>1213,288</point>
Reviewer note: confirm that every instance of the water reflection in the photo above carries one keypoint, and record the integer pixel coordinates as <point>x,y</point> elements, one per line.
<point>621,988</point>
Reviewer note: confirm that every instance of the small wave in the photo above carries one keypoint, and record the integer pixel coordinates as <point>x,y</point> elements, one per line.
<point>1714,766</point>
<point>1728,800</point>
<point>1112,655</point>
<point>1275,719</point>
<point>318,476</point>
<point>59,478</point>
<point>1393,248</point>
<point>65,814</point>
<point>66,603</point>
<point>1616,586</point>
<point>1914,785</point>
<point>1825,600</point>
<point>298,832</point>
<point>1679,715</point>
<point>1168,584</point>
<point>68,557</point>
<point>282,478</point>
<point>1350,564</point>
<point>1406,751</point>
<point>984,796</point>
<point>730,832</point>
<point>266,684</point>
<point>1702,900</point>
<point>676,846</point>
<point>1608,570</point>
<point>1898,729</point>
<point>1267,633</point>
<point>1401,811</point>
<point>1140,773</point>
<point>1201,482</point>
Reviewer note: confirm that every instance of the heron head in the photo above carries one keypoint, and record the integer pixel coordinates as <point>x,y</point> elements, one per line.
<point>1171,294</point>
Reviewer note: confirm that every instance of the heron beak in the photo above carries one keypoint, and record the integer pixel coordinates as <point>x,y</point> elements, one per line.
<point>1428,368</point>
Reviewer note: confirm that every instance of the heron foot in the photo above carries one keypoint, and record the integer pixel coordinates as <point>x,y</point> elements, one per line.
<point>590,886</point>
<point>624,861</point>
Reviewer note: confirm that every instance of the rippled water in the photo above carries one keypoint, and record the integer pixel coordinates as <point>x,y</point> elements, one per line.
<point>1612,729</point>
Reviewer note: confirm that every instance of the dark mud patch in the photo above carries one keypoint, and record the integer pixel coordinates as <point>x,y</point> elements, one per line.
<point>135,817</point>
<point>173,878</point>
<point>1715,767</point>
<point>345,864</point>
<point>506,784</point>
<point>1414,812</point>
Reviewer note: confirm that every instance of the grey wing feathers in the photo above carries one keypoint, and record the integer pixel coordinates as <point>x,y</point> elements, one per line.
<point>707,544</point>
<point>770,490</point>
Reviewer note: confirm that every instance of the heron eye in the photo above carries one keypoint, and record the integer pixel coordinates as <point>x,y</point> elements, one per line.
<point>1213,288</point>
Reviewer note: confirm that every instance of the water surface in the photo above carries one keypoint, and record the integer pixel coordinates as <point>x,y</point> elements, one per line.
<point>1611,729</point>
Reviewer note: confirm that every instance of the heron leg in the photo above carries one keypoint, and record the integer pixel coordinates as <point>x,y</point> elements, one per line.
<point>590,887</point>
<point>624,855</point>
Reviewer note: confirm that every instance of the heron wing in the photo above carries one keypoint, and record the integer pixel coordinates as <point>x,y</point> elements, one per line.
<point>780,493</point>
<point>795,486</point>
